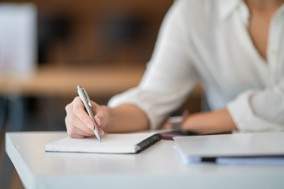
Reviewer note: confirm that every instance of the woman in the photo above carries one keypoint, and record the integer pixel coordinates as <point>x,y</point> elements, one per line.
<point>234,47</point>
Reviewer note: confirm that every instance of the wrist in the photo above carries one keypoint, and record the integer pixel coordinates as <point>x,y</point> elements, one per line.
<point>191,123</point>
<point>218,121</point>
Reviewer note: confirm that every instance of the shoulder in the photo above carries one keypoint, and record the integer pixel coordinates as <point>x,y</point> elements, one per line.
<point>197,8</point>
<point>197,15</point>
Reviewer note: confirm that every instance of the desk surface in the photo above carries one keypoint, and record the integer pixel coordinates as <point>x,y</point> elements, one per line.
<point>157,167</point>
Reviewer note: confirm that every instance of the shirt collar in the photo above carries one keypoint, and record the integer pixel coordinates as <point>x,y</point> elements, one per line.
<point>280,11</point>
<point>227,7</point>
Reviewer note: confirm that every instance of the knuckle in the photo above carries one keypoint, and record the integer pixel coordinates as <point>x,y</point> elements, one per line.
<point>77,101</point>
<point>71,119</point>
<point>77,108</point>
<point>77,114</point>
<point>77,98</point>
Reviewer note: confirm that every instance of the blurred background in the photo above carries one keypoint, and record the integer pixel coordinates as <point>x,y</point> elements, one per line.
<point>48,47</point>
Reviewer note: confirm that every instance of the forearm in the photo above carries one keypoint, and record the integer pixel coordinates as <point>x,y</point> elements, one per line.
<point>127,118</point>
<point>218,121</point>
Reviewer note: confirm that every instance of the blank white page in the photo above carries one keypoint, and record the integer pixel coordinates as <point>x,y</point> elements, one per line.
<point>110,143</point>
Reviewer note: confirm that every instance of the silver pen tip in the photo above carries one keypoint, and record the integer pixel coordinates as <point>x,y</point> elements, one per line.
<point>97,135</point>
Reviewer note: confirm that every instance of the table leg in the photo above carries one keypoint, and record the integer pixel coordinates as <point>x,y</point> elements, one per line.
<point>6,170</point>
<point>12,119</point>
<point>3,112</point>
<point>16,114</point>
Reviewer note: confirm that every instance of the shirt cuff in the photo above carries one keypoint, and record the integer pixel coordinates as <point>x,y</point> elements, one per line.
<point>245,118</point>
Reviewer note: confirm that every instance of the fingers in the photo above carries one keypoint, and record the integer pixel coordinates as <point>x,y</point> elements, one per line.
<point>75,132</point>
<point>72,131</point>
<point>75,123</point>
<point>79,124</point>
<point>75,126</point>
<point>79,111</point>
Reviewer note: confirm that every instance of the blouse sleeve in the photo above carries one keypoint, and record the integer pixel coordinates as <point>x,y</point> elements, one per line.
<point>170,74</point>
<point>260,110</point>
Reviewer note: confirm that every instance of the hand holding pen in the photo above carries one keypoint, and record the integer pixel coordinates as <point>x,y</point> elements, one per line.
<point>85,118</point>
<point>84,97</point>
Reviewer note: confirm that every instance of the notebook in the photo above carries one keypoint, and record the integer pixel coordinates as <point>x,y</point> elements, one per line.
<point>232,148</point>
<point>110,143</point>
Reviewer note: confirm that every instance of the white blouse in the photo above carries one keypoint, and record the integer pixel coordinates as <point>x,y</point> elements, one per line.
<point>207,41</point>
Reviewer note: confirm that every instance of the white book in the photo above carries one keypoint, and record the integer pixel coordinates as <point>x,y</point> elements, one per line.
<point>237,148</point>
<point>110,143</point>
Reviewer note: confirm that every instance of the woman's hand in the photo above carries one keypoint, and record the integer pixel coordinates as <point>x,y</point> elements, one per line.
<point>79,124</point>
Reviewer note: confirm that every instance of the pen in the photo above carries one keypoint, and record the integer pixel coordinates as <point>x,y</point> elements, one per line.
<point>88,106</point>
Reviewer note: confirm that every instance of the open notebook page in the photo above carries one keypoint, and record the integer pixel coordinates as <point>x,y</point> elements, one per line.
<point>110,143</point>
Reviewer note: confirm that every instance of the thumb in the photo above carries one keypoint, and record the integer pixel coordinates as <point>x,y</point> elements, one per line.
<point>95,106</point>
<point>101,116</point>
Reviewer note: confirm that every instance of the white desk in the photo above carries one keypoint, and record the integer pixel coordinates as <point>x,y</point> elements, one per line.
<point>157,167</point>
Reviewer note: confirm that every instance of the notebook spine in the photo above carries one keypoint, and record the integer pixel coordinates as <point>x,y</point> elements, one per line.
<point>147,142</point>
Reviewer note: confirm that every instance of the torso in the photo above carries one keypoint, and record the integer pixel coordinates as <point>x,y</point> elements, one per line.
<point>230,49</point>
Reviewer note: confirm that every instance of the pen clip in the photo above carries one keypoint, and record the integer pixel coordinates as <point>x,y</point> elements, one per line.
<point>87,97</point>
